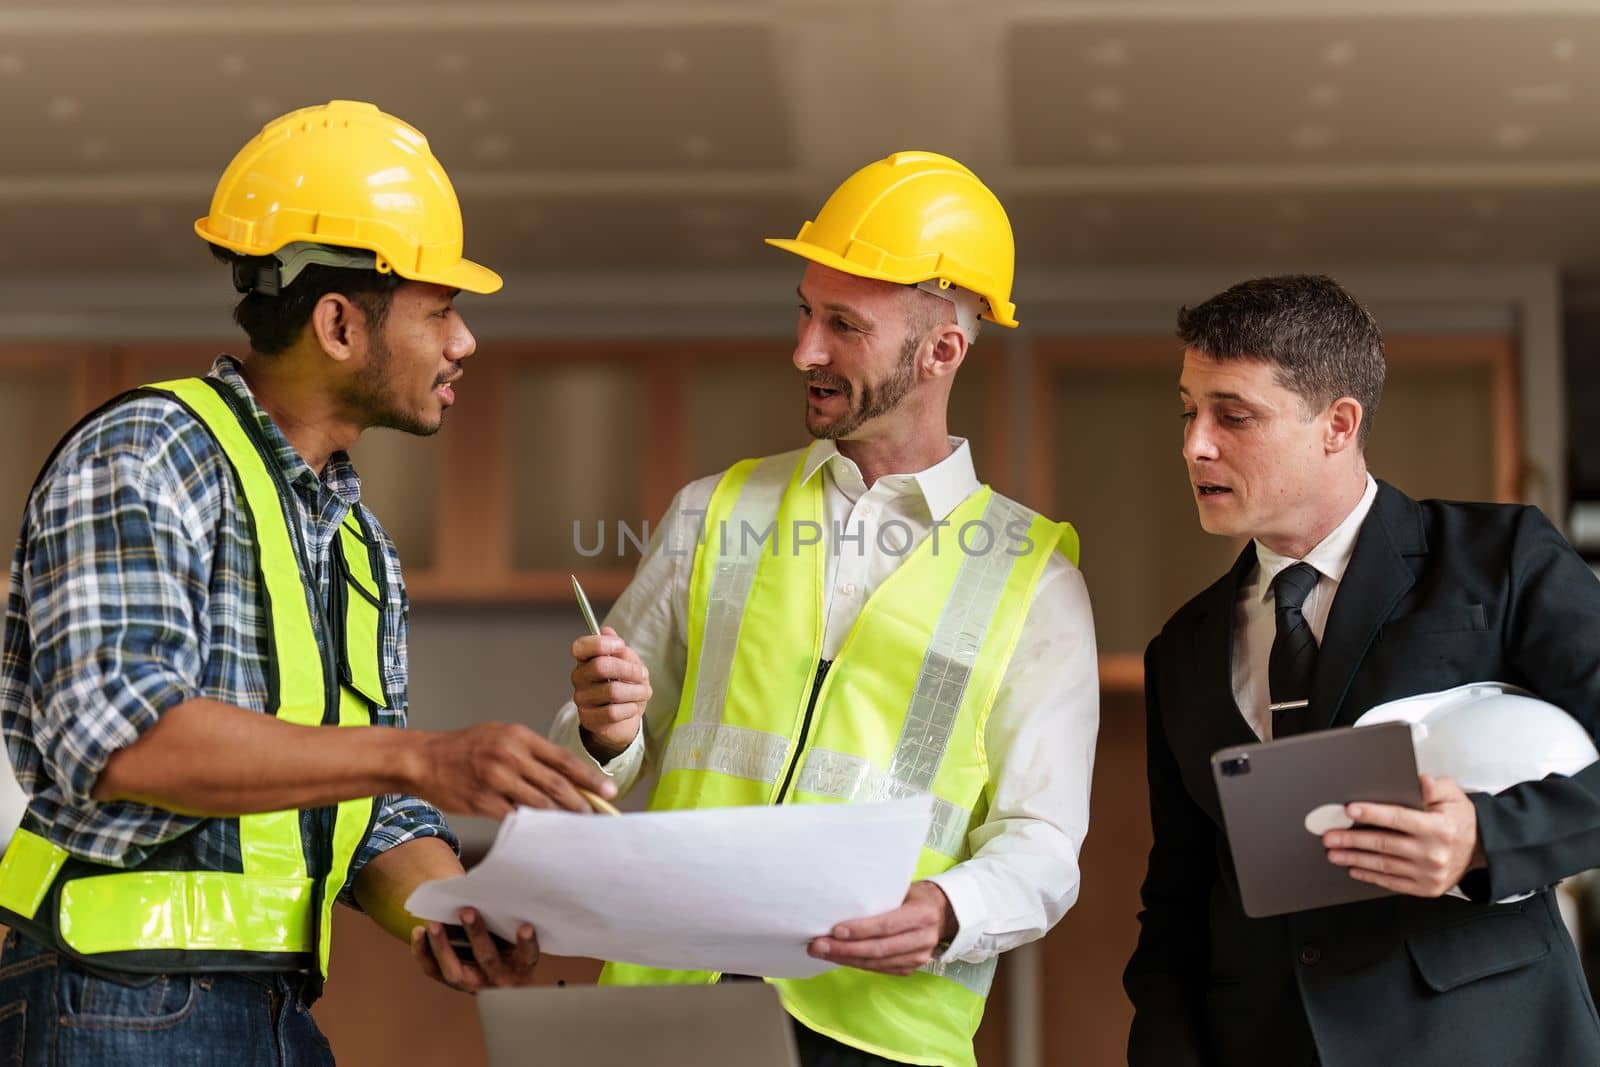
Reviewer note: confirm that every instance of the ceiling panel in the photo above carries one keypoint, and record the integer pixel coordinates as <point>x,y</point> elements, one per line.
<point>626,134</point>
<point>1179,91</point>
<point>650,98</point>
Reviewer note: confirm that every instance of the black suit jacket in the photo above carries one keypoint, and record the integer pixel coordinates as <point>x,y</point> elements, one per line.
<point>1436,595</point>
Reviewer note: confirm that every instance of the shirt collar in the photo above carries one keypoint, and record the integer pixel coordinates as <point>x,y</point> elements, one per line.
<point>340,474</point>
<point>942,486</point>
<point>1332,554</point>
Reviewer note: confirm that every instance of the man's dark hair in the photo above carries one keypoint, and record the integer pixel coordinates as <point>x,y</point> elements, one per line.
<point>1323,344</point>
<point>273,323</point>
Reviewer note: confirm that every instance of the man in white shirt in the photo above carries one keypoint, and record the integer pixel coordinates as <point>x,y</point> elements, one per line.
<point>936,638</point>
<point>1350,594</point>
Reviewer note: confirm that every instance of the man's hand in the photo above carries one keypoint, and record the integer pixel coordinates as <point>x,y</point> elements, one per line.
<point>611,687</point>
<point>1419,853</point>
<point>896,942</point>
<point>494,964</point>
<point>490,768</point>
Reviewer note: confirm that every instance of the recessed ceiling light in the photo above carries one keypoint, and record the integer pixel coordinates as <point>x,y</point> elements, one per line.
<point>1339,53</point>
<point>11,65</point>
<point>1312,138</point>
<point>675,61</point>
<point>452,63</point>
<point>1324,95</point>
<point>1513,135</point>
<point>232,65</point>
<point>64,108</point>
<point>262,107</point>
<point>1105,98</point>
<point>1564,49</point>
<point>477,108</point>
<point>1111,52</point>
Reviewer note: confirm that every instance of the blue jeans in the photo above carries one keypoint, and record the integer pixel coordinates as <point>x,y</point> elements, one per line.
<point>56,1011</point>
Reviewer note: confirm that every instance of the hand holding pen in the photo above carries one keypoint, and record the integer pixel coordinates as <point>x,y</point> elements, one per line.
<point>610,686</point>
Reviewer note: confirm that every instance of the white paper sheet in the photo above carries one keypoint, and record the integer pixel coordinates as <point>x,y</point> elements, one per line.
<point>738,890</point>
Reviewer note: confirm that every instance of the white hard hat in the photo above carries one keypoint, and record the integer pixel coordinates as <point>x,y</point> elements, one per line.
<point>1489,736</point>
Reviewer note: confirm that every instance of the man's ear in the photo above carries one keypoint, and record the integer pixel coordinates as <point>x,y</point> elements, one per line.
<point>948,351</point>
<point>1344,425</point>
<point>339,325</point>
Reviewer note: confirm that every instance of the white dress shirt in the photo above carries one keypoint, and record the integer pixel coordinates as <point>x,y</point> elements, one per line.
<point>1023,874</point>
<point>1256,623</point>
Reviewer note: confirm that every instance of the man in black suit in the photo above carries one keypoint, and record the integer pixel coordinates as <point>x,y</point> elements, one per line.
<point>1350,594</point>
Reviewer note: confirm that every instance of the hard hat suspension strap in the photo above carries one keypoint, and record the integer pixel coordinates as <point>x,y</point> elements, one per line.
<point>284,266</point>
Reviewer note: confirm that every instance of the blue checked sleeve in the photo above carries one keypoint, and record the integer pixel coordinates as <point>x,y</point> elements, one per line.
<point>400,819</point>
<point>115,579</point>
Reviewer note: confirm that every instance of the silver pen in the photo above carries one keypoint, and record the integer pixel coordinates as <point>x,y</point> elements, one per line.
<point>583,606</point>
<point>599,804</point>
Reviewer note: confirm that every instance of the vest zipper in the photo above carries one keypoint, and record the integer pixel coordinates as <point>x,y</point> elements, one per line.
<point>805,726</point>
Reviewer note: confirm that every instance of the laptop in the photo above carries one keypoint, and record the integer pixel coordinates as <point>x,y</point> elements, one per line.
<point>628,1026</point>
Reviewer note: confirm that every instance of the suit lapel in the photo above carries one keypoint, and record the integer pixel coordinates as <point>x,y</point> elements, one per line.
<point>1211,660</point>
<point>1377,577</point>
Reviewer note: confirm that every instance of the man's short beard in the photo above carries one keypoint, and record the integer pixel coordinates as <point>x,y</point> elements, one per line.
<point>877,398</point>
<point>371,397</point>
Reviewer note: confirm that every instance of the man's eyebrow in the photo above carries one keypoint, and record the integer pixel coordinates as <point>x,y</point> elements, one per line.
<point>855,313</point>
<point>1218,395</point>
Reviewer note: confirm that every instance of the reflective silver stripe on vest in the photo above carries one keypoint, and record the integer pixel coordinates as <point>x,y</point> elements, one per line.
<point>733,572</point>
<point>843,776</point>
<point>976,977</point>
<point>936,698</point>
<point>947,666</point>
<point>735,750</point>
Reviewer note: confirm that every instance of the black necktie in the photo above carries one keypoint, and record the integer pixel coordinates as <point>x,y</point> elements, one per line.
<point>1294,650</point>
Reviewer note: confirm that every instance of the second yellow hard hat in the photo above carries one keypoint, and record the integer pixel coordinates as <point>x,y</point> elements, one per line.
<point>916,217</point>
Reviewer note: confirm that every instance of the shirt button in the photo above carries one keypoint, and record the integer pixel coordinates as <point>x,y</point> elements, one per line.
<point>1310,955</point>
<point>848,589</point>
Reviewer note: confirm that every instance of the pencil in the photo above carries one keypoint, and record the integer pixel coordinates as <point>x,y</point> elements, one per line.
<point>600,804</point>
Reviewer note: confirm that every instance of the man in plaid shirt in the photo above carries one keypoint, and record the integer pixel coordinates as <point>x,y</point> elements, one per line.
<point>138,653</point>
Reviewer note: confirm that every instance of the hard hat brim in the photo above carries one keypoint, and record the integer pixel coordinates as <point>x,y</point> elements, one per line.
<point>826,258</point>
<point>463,274</point>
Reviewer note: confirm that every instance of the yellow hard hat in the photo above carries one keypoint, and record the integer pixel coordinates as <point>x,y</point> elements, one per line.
<point>916,217</point>
<point>348,175</point>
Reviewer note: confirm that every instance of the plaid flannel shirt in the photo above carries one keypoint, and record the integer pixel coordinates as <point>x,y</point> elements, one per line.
<point>134,588</point>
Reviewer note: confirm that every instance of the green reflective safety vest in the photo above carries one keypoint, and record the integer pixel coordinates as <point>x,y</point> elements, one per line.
<point>324,669</point>
<point>900,711</point>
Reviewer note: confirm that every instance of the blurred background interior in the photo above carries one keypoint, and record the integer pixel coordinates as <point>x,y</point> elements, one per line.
<point>620,161</point>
